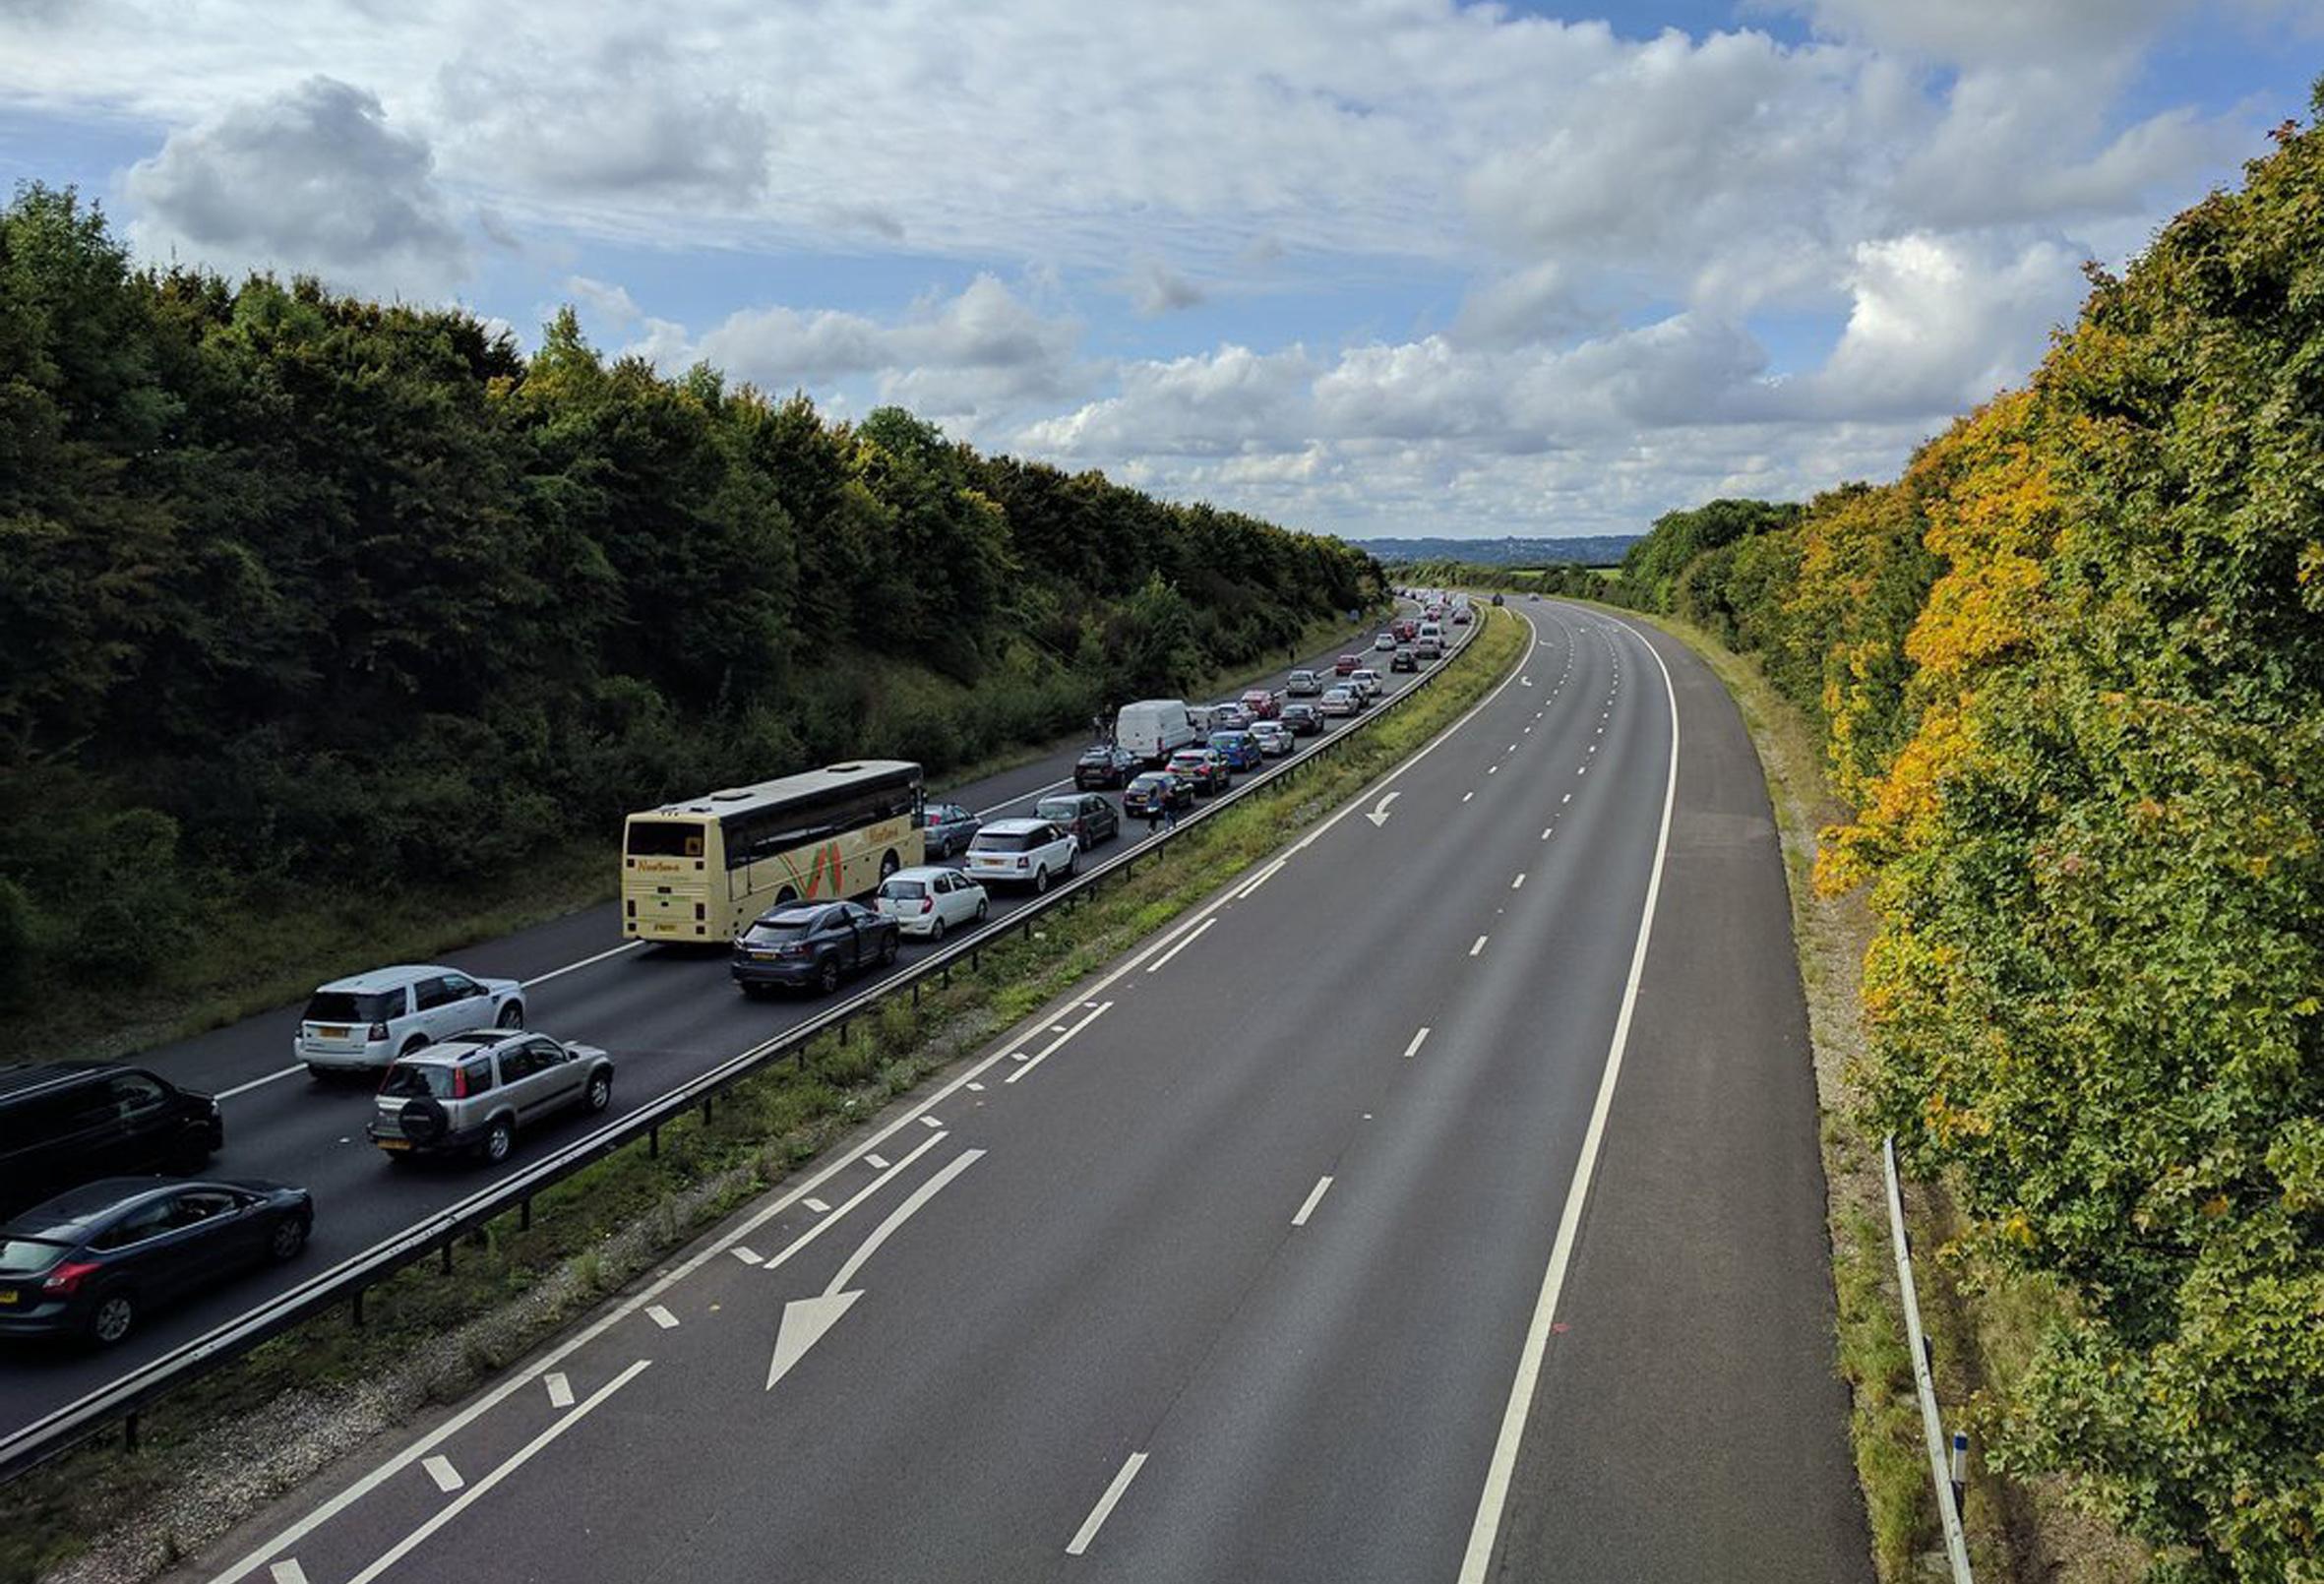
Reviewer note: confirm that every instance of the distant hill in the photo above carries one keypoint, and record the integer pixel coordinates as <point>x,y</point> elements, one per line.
<point>1602,550</point>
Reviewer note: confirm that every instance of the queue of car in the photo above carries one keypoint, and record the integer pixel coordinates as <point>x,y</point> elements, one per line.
<point>457,1071</point>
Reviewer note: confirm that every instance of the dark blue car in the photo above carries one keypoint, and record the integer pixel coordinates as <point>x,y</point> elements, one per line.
<point>1240,747</point>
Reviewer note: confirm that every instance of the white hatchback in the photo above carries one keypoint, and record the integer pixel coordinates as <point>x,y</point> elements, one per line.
<point>928,902</point>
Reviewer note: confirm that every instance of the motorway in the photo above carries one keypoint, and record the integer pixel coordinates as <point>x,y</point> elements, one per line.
<point>668,1014</point>
<point>1440,1203</point>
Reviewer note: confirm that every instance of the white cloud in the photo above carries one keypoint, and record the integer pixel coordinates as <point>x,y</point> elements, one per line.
<point>314,179</point>
<point>612,301</point>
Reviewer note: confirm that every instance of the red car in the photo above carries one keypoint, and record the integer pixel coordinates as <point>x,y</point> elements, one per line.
<point>1262,705</point>
<point>1406,629</point>
<point>1346,664</point>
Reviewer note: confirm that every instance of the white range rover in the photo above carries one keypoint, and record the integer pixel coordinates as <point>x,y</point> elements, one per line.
<point>1022,852</point>
<point>360,1024</point>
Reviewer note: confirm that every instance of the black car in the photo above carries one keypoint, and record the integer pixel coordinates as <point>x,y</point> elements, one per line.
<point>1091,818</point>
<point>1404,659</point>
<point>1303,718</point>
<point>63,1123</point>
<point>812,945</point>
<point>94,1261</point>
<point>1157,789</point>
<point>1104,766</point>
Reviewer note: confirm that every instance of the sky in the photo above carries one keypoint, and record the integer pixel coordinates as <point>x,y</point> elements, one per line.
<point>1363,267</point>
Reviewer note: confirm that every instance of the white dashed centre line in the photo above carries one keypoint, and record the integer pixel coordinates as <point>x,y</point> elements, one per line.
<point>875,1162</point>
<point>1491,769</point>
<point>1105,1505</point>
<point>1518,883</point>
<point>661,1317</point>
<point>1314,1197</point>
<point>930,1122</point>
<point>747,1256</point>
<point>441,1471</point>
<point>1478,949</point>
<point>1569,797</point>
<point>560,1390</point>
<point>1415,1046</point>
<point>1465,796</point>
<point>818,1206</point>
<point>289,1571</point>
<point>1163,962</point>
<point>1545,831</point>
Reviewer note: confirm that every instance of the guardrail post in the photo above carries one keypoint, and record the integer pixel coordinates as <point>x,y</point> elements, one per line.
<point>129,1433</point>
<point>447,1257</point>
<point>653,1135</point>
<point>524,1214</point>
<point>843,1031</point>
<point>358,1307</point>
<point>707,1101</point>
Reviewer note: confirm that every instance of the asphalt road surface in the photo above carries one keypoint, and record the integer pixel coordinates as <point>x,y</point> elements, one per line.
<point>667,1016</point>
<point>1439,1204</point>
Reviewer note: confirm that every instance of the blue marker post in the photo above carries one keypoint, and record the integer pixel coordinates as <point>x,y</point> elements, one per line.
<point>1960,1470</point>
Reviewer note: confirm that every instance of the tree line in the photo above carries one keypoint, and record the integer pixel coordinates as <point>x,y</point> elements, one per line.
<point>304,591</point>
<point>2070,671</point>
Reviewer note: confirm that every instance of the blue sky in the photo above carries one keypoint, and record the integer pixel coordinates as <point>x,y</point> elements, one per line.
<point>1378,266</point>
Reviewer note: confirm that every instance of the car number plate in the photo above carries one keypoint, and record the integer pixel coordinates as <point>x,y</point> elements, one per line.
<point>331,1034</point>
<point>7,1296</point>
<point>392,1143</point>
<point>763,956</point>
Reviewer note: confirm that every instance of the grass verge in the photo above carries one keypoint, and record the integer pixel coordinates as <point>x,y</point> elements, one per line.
<point>289,941</point>
<point>1982,1329</point>
<point>217,1450</point>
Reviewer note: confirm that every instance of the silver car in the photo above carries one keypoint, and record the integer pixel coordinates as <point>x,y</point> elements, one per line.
<point>474,1090</point>
<point>361,1023</point>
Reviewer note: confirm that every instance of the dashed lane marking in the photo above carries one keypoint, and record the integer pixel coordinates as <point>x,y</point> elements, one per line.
<point>560,1390</point>
<point>441,1471</point>
<point>1413,1046</point>
<point>1314,1197</point>
<point>661,1317</point>
<point>1478,949</point>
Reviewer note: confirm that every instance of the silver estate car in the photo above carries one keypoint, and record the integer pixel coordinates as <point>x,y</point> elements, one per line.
<point>472,1091</point>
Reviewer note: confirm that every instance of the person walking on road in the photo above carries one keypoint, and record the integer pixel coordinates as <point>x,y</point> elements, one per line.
<point>1154,813</point>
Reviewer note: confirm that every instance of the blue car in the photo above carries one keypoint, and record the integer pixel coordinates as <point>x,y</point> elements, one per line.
<point>1240,749</point>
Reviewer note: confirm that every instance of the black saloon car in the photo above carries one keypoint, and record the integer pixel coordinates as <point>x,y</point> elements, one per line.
<point>94,1261</point>
<point>1106,766</point>
<point>811,946</point>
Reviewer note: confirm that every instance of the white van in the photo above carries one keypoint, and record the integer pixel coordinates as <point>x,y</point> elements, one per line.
<point>1155,729</point>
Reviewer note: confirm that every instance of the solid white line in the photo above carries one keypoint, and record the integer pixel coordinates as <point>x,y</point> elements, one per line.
<point>460,1504</point>
<point>1265,875</point>
<point>1416,1040</point>
<point>1105,1505</point>
<point>1314,1197</point>
<point>1478,949</point>
<point>1518,883</point>
<point>661,1317</point>
<point>575,967</point>
<point>1054,1045</point>
<point>903,1213</point>
<point>1484,1533</point>
<point>245,1088</point>
<point>1023,797</point>
<point>744,1255</point>
<point>441,1471</point>
<point>886,1175</point>
<point>289,1571</point>
<point>1163,962</point>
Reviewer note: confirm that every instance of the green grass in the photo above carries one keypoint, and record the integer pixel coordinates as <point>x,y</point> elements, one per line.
<point>512,1287</point>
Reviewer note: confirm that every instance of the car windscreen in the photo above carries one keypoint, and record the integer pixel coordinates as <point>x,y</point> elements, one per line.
<point>769,935</point>
<point>904,891</point>
<point>345,1006</point>
<point>410,1081</point>
<point>1006,841</point>
<point>666,838</point>
<point>1058,808</point>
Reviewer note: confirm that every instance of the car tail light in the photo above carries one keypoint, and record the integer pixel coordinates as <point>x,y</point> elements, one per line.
<point>927,904</point>
<point>459,1083</point>
<point>66,1279</point>
<point>379,1031</point>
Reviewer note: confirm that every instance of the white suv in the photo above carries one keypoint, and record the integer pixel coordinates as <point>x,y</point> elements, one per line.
<point>362,1023</point>
<point>1024,852</point>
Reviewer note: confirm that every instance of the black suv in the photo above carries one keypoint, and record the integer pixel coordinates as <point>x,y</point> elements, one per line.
<point>1104,766</point>
<point>67,1122</point>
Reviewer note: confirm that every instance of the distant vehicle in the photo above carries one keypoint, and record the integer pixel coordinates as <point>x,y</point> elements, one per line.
<point>1341,701</point>
<point>63,1123</point>
<point>1303,719</point>
<point>1025,852</point>
<point>946,829</point>
<point>92,1262</point>
<point>1091,818</point>
<point>1229,718</point>
<point>474,1090</point>
<point>1496,599</point>
<point>1273,738</point>
<point>703,871</point>
<point>809,946</point>
<point>1366,680</point>
<point>1345,664</point>
<point>1157,788</point>
<point>1260,704</point>
<point>1239,749</point>
<point>1206,767</point>
<point>1383,641</point>
<point>1303,684</point>
<point>1153,729</point>
<point>1430,629</point>
<point>361,1023</point>
<point>926,903</point>
<point>1533,599</point>
<point>1403,660</point>
<point>1105,766</point>
<point>1460,617</point>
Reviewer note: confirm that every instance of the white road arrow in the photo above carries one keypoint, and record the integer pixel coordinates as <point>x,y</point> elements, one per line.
<point>805,1320</point>
<point>1525,681</point>
<point>1378,814</point>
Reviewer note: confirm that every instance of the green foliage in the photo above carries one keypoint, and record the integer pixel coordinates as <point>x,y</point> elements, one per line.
<point>1652,566</point>
<point>299,590</point>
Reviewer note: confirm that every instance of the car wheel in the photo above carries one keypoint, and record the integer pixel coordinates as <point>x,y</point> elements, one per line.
<point>499,1139</point>
<point>936,930</point>
<point>111,1318</point>
<point>512,1015</point>
<point>600,1093</point>
<point>1040,880</point>
<point>888,950</point>
<point>1072,863</point>
<point>888,865</point>
<point>288,1238</point>
<point>826,978</point>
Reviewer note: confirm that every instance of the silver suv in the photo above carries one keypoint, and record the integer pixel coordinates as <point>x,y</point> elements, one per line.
<point>474,1090</point>
<point>361,1023</point>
